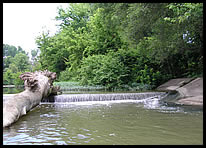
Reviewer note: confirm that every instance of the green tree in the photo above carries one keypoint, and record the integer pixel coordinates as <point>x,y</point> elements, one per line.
<point>21,62</point>
<point>76,16</point>
<point>17,65</point>
<point>102,32</point>
<point>68,44</point>
<point>106,70</point>
<point>9,51</point>
<point>6,62</point>
<point>152,42</point>
<point>8,77</point>
<point>34,53</point>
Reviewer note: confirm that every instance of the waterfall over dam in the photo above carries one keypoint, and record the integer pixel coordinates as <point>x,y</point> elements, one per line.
<point>103,97</point>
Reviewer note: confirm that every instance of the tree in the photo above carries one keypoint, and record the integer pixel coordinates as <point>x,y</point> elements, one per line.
<point>102,31</point>
<point>189,15</point>
<point>68,44</point>
<point>8,77</point>
<point>34,53</point>
<point>51,48</point>
<point>14,66</point>
<point>106,70</point>
<point>21,62</point>
<point>6,62</point>
<point>9,52</point>
<point>152,42</point>
<point>75,16</point>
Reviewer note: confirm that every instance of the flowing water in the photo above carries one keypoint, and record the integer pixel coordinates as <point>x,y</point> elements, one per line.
<point>108,119</point>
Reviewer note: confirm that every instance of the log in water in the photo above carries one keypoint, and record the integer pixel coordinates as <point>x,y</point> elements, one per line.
<point>37,86</point>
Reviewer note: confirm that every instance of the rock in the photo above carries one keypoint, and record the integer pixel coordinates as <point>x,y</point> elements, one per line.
<point>190,90</point>
<point>197,100</point>
<point>173,84</point>
<point>193,88</point>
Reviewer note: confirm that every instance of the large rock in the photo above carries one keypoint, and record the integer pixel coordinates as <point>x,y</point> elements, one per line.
<point>193,88</point>
<point>190,91</point>
<point>173,84</point>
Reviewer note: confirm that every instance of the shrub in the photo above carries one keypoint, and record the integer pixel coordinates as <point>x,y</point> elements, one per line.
<point>106,70</point>
<point>148,76</point>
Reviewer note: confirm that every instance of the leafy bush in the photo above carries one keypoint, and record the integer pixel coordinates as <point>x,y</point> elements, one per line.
<point>8,77</point>
<point>12,78</point>
<point>17,80</point>
<point>64,75</point>
<point>148,76</point>
<point>106,70</point>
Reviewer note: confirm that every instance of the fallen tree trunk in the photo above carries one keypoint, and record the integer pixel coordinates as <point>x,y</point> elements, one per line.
<point>38,85</point>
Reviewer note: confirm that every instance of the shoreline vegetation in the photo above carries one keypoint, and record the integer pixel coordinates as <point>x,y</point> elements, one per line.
<point>174,87</point>
<point>76,87</point>
<point>128,46</point>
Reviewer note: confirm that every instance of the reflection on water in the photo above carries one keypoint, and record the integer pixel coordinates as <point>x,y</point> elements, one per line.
<point>122,122</point>
<point>12,90</point>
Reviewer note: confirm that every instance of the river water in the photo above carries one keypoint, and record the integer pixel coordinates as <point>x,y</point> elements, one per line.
<point>114,122</point>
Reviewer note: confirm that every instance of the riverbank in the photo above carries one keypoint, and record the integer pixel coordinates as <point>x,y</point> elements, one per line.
<point>185,91</point>
<point>189,90</point>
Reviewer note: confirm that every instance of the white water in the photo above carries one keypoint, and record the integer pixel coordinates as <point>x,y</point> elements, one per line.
<point>150,100</point>
<point>106,97</point>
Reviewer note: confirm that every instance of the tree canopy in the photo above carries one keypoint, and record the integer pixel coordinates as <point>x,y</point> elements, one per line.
<point>114,44</point>
<point>15,62</point>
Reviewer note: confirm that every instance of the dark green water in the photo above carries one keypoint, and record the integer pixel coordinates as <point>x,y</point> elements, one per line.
<point>107,123</point>
<point>12,90</point>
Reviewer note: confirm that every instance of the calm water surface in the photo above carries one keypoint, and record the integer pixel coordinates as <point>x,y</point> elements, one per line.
<point>107,123</point>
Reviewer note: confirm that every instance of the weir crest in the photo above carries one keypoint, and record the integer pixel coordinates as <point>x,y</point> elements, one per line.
<point>104,97</point>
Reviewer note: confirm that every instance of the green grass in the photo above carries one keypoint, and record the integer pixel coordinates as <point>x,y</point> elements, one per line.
<point>75,86</point>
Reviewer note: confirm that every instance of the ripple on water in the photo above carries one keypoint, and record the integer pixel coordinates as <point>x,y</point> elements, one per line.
<point>81,136</point>
<point>106,123</point>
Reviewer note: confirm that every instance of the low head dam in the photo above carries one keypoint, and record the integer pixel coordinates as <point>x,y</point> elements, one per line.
<point>39,88</point>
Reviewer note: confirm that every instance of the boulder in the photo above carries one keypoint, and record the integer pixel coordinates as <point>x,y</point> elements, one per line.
<point>190,90</point>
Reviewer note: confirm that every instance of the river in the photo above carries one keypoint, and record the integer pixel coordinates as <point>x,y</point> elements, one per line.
<point>113,122</point>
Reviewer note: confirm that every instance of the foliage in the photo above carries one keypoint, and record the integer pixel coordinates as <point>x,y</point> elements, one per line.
<point>125,44</point>
<point>102,34</point>
<point>66,75</point>
<point>148,76</point>
<point>16,61</point>
<point>106,70</point>
<point>8,77</point>
<point>76,86</point>
<point>17,80</point>
<point>21,62</point>
<point>9,52</point>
